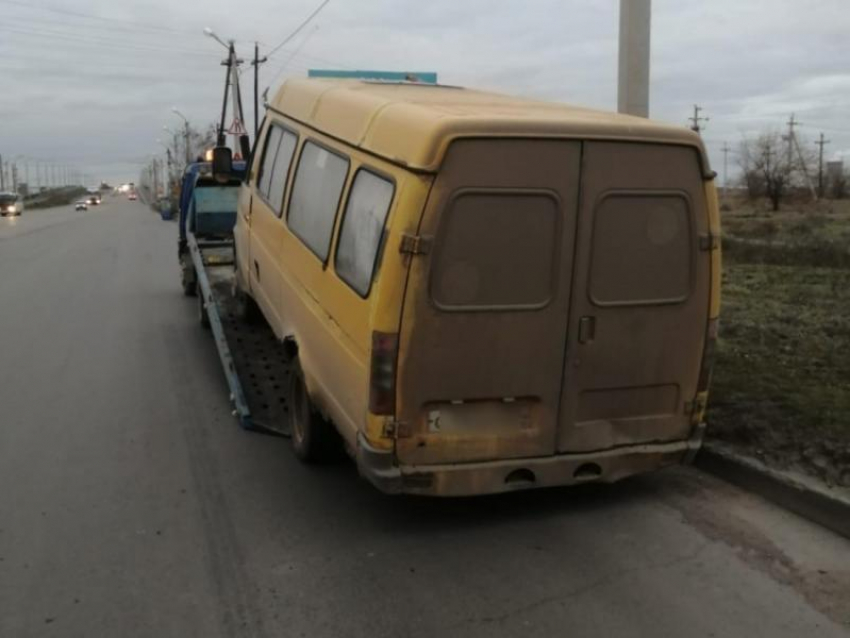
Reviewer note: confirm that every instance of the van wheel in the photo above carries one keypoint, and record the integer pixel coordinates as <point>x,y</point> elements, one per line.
<point>203,317</point>
<point>314,438</point>
<point>188,278</point>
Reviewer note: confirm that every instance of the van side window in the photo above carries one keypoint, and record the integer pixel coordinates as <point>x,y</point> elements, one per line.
<point>280,172</point>
<point>315,197</point>
<point>641,250</point>
<point>362,229</point>
<point>269,154</point>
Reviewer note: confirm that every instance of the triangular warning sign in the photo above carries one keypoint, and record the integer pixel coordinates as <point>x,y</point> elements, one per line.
<point>237,128</point>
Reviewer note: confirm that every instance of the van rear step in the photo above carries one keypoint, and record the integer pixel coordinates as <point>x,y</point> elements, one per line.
<point>254,361</point>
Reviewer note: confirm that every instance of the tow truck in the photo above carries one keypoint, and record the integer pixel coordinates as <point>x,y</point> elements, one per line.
<point>253,359</point>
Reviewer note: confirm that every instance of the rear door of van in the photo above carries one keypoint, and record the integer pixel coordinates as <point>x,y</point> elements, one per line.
<point>640,297</point>
<point>558,302</point>
<point>483,331</point>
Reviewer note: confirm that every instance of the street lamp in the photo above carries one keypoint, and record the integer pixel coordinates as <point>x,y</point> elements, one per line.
<point>185,133</point>
<point>211,34</point>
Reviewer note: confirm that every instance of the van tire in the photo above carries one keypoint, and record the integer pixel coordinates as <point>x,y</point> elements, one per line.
<point>189,283</point>
<point>314,438</point>
<point>203,317</point>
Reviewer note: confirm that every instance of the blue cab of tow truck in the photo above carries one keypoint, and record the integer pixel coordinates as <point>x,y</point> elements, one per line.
<point>207,206</point>
<point>207,212</point>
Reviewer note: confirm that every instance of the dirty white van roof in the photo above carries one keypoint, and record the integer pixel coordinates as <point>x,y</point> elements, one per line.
<point>413,124</point>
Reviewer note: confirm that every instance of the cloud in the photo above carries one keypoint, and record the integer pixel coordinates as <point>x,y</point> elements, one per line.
<point>93,81</point>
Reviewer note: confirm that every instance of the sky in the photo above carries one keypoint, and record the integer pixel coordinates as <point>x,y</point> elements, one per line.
<point>91,83</point>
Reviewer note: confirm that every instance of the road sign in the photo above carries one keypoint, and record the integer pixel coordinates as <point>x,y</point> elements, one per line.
<point>423,77</point>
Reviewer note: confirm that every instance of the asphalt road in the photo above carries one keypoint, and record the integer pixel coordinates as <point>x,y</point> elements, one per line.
<point>132,505</point>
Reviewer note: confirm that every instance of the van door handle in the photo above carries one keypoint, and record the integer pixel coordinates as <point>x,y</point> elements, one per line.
<point>257,269</point>
<point>586,329</point>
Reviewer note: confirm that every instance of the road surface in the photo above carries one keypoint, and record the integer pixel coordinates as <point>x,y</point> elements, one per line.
<point>132,505</point>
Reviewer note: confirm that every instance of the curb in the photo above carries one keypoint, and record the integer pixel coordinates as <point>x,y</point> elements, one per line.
<point>829,508</point>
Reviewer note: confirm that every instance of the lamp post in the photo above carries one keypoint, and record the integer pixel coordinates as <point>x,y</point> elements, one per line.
<point>231,86</point>
<point>185,134</point>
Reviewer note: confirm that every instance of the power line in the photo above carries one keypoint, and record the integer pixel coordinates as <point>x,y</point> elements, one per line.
<point>297,30</point>
<point>91,16</point>
<point>104,42</point>
<point>292,55</point>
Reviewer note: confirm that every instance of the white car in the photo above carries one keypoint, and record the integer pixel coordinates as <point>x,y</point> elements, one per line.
<point>11,204</point>
<point>81,205</point>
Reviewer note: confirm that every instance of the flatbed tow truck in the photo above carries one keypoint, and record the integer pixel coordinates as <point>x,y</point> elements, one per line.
<point>254,361</point>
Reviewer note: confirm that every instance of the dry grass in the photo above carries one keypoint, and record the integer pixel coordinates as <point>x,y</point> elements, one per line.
<point>781,386</point>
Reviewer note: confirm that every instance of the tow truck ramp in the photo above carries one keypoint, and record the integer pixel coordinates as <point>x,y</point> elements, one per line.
<point>254,360</point>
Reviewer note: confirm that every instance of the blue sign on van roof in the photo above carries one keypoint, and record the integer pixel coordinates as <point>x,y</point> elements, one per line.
<point>425,77</point>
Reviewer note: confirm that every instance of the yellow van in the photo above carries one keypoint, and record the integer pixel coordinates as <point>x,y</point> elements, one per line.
<point>482,293</point>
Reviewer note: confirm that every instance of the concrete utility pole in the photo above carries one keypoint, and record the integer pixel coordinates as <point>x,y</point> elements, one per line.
<point>696,119</point>
<point>2,178</point>
<point>236,96</point>
<point>256,64</point>
<point>821,143</point>
<point>726,150</point>
<point>635,31</point>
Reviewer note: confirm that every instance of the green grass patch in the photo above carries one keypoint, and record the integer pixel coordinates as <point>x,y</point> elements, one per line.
<point>781,386</point>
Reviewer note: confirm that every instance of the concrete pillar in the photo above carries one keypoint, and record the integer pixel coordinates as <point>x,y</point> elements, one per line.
<point>635,27</point>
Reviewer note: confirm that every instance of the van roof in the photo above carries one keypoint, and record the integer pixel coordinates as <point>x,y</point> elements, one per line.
<point>412,124</point>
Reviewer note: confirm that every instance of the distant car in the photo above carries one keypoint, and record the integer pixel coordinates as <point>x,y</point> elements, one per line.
<point>11,204</point>
<point>81,205</point>
<point>132,197</point>
<point>93,199</point>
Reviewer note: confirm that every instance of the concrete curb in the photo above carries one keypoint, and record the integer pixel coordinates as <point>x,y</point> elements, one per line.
<point>829,508</point>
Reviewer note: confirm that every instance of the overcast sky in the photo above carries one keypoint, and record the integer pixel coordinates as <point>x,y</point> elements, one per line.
<point>92,82</point>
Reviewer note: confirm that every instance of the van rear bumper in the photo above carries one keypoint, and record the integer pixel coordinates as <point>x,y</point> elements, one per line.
<point>491,477</point>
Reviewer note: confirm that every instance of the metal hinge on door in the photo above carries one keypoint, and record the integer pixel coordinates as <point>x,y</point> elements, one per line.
<point>709,242</point>
<point>414,244</point>
<point>396,430</point>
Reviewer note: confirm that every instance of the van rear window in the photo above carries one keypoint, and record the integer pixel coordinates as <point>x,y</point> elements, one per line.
<point>362,229</point>
<point>642,250</point>
<point>496,250</point>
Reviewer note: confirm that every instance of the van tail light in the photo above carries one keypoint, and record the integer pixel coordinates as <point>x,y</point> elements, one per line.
<point>708,355</point>
<point>383,373</point>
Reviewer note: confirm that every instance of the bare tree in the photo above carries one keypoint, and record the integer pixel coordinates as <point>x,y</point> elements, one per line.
<point>766,168</point>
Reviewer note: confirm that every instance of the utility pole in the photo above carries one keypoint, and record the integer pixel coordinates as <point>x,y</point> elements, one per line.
<point>821,143</point>
<point>155,180</point>
<point>634,58</point>
<point>697,119</point>
<point>793,143</point>
<point>256,64</point>
<point>186,133</point>
<point>2,178</point>
<point>792,124</point>
<point>14,177</point>
<point>726,150</point>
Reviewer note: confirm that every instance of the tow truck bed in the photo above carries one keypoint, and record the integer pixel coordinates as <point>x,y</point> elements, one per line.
<point>254,362</point>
